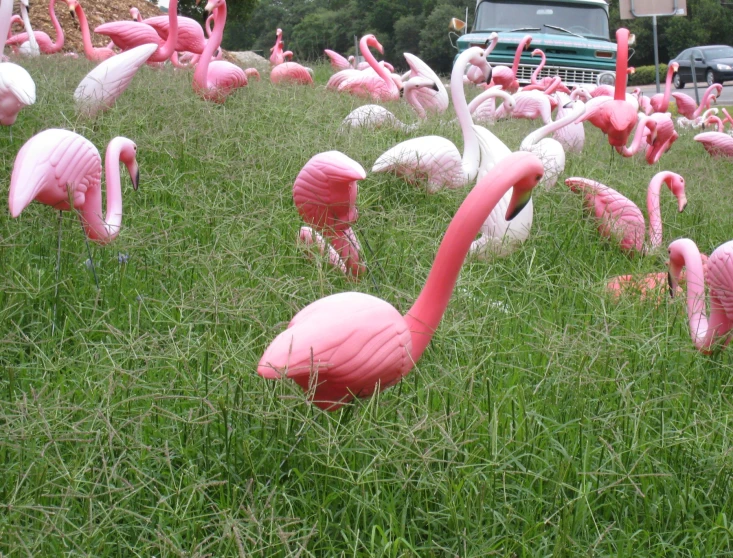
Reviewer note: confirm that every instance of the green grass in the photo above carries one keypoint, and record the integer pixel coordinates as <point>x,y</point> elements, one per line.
<point>568,425</point>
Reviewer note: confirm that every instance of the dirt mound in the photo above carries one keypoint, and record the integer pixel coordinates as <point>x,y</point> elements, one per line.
<point>249,59</point>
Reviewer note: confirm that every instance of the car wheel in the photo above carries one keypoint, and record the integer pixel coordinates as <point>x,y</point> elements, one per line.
<point>677,81</point>
<point>710,77</point>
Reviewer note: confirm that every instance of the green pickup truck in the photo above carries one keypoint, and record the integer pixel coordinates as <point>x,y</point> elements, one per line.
<point>573,34</point>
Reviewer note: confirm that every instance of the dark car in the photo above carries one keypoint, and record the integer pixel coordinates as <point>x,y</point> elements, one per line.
<point>713,64</point>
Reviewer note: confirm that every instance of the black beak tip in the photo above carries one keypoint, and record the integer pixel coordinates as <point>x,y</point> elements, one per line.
<point>402,91</point>
<point>568,105</point>
<point>669,283</point>
<point>683,207</point>
<point>488,79</point>
<point>136,181</point>
<point>435,87</point>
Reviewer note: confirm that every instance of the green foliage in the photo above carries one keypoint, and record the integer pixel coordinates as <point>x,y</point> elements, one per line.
<point>645,75</point>
<point>434,36</point>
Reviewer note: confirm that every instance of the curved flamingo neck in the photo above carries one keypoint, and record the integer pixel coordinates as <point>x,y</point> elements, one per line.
<point>577,111</point>
<point>382,72</point>
<point>717,121</point>
<point>706,100</point>
<point>494,38</point>
<point>201,75</point>
<point>622,63</point>
<point>518,54</point>
<point>85,35</point>
<point>411,96</point>
<point>425,315</point>
<point>491,93</point>
<point>166,50</point>
<point>686,251</point>
<point>29,29</point>
<point>652,207</point>
<point>107,228</point>
<point>644,122</point>
<point>536,73</point>
<point>667,90</point>
<point>471,154</point>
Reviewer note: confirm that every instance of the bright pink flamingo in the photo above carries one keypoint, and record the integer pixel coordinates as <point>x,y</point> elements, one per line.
<point>507,77</point>
<point>546,81</point>
<point>276,56</point>
<point>660,101</point>
<point>95,54</point>
<point>130,34</point>
<point>338,62</point>
<point>572,135</point>
<point>728,117</point>
<point>353,344</point>
<point>718,144</point>
<point>379,86</point>
<point>45,43</point>
<point>101,87</point>
<point>616,118</point>
<point>135,14</point>
<point>291,72</point>
<point>662,140</point>
<point>190,33</point>
<point>325,193</point>
<point>215,80</point>
<point>705,331</point>
<point>687,107</point>
<point>64,170</point>
<point>621,219</point>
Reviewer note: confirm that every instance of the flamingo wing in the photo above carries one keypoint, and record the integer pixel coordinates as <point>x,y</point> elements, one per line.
<point>342,346</point>
<point>716,143</point>
<point>685,105</point>
<point>338,62</point>
<point>436,101</point>
<point>105,83</point>
<point>227,76</point>
<point>16,81</point>
<point>370,84</point>
<point>290,72</point>
<point>619,217</point>
<point>49,164</point>
<point>129,34</point>
<point>190,33</point>
<point>340,77</point>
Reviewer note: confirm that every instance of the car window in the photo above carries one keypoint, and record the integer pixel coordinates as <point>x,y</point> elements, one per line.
<point>684,54</point>
<point>719,52</point>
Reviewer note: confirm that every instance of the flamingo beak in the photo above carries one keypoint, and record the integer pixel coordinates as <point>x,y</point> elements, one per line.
<point>517,203</point>
<point>682,203</point>
<point>435,87</point>
<point>134,173</point>
<point>488,78</point>
<point>670,282</point>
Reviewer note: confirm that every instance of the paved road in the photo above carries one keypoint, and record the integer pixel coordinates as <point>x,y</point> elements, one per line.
<point>726,99</point>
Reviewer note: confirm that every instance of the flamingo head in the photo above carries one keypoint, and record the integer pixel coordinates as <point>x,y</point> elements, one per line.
<point>128,156</point>
<point>211,5</point>
<point>288,54</point>
<point>134,13</point>
<point>72,5</point>
<point>372,41</point>
<point>478,59</point>
<point>522,191</point>
<point>676,184</point>
<point>537,52</point>
<point>675,66</point>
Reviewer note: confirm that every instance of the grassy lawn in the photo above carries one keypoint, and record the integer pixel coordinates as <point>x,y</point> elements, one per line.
<point>545,419</point>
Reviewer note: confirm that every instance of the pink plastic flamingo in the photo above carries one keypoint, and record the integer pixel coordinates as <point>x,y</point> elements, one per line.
<point>135,14</point>
<point>616,118</point>
<point>663,139</point>
<point>95,54</point>
<point>431,99</point>
<point>129,34</point>
<point>706,331</point>
<point>660,101</point>
<point>291,72</point>
<point>190,36</point>
<point>379,86</point>
<point>338,62</point>
<point>645,127</point>
<point>17,88</point>
<point>718,144</point>
<point>309,237</point>
<point>353,344</point>
<point>546,81</point>
<point>507,77</point>
<point>215,80</point>
<point>715,121</point>
<point>64,170</point>
<point>529,105</point>
<point>433,157</point>
<point>101,87</point>
<point>325,194</point>
<point>687,107</point>
<point>276,56</point>
<point>45,43</point>
<point>621,219</point>
<point>572,135</point>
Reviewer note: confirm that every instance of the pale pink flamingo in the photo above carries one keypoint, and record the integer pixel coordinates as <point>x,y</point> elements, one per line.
<point>546,81</point>
<point>660,101</point>
<point>475,74</point>
<point>276,56</point>
<point>507,77</point>
<point>95,54</point>
<point>716,143</point>
<point>252,73</point>
<point>645,103</point>
<point>436,158</point>
<point>353,344</point>
<point>308,237</point>
<point>687,107</point>
<point>130,34</point>
<point>325,193</point>
<point>45,44</point>
<point>529,105</point>
<point>101,87</point>
<point>713,329</point>
<point>431,99</point>
<point>602,91</point>
<point>616,118</point>
<point>376,116</point>
<point>483,106</point>
<point>572,135</point>
<point>338,62</point>
<point>215,80</point>
<point>291,72</point>
<point>380,87</point>
<point>620,218</point>
<point>64,170</point>
<point>17,88</point>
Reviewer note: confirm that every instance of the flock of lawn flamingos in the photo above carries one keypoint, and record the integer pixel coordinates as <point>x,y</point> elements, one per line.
<point>352,344</point>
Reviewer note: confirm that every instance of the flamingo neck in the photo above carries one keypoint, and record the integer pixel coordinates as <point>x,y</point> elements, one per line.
<point>6,13</point>
<point>29,29</point>
<point>105,229</point>
<point>622,63</point>
<point>652,207</point>
<point>411,96</point>
<point>382,72</point>
<point>667,90</point>
<point>57,45</point>
<point>644,123</point>
<point>201,75</point>
<point>528,142</point>
<point>536,73</point>
<point>702,335</point>
<point>470,160</point>
<point>425,315</point>
<point>706,100</point>
<point>518,54</point>
<point>716,120</point>
<point>166,50</point>
<point>85,35</point>
<point>492,45</point>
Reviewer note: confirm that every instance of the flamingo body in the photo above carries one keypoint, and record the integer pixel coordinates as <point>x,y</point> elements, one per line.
<point>338,62</point>
<point>190,33</point>
<point>17,90</point>
<point>290,72</point>
<point>718,144</point>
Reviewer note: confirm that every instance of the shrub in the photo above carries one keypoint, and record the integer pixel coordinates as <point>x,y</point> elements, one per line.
<point>645,75</point>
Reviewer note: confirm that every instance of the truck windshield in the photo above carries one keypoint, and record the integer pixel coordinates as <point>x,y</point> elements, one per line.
<point>588,20</point>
